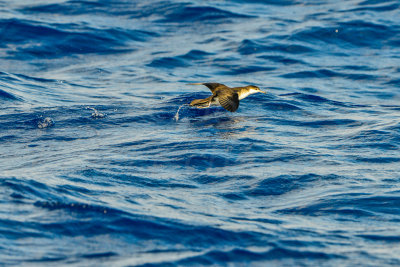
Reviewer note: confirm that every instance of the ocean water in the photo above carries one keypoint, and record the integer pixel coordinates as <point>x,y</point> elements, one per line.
<point>98,167</point>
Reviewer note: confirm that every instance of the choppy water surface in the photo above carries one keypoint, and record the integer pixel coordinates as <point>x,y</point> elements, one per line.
<point>96,170</point>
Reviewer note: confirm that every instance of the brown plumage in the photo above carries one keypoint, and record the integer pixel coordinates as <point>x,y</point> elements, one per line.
<point>225,96</point>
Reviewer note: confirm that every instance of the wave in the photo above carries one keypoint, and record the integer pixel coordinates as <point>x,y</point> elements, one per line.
<point>325,73</point>
<point>246,256</point>
<point>286,183</point>
<point>375,6</point>
<point>350,206</point>
<point>248,47</point>
<point>185,60</point>
<point>38,40</point>
<point>199,13</point>
<point>356,33</point>
<point>96,169</point>
<point>79,7</point>
<point>4,95</point>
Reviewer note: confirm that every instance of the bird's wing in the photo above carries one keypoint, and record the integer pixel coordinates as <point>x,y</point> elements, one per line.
<point>228,99</point>
<point>212,86</point>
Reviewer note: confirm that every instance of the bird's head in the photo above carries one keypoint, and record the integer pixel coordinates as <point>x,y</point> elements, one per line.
<point>254,89</point>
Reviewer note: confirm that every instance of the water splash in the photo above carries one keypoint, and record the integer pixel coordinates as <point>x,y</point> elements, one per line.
<point>176,117</point>
<point>45,123</point>
<point>96,114</point>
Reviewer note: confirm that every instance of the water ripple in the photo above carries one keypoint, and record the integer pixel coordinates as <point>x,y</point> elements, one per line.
<point>104,162</point>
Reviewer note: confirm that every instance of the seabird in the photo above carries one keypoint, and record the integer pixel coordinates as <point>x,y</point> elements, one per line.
<point>225,96</point>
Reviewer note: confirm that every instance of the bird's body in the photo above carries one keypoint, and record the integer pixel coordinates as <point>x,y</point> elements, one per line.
<point>225,96</point>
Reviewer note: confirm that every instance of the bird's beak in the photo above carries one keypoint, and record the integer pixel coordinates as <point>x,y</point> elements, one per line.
<point>261,91</point>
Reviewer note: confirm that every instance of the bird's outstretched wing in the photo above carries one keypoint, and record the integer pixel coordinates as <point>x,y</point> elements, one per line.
<point>212,86</point>
<point>228,99</point>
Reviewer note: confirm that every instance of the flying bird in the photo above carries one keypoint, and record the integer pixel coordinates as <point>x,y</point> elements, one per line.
<point>225,96</point>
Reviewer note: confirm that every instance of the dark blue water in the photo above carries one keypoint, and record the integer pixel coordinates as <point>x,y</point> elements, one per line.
<point>95,169</point>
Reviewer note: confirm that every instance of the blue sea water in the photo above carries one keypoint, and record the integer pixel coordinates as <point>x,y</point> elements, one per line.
<point>98,167</point>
